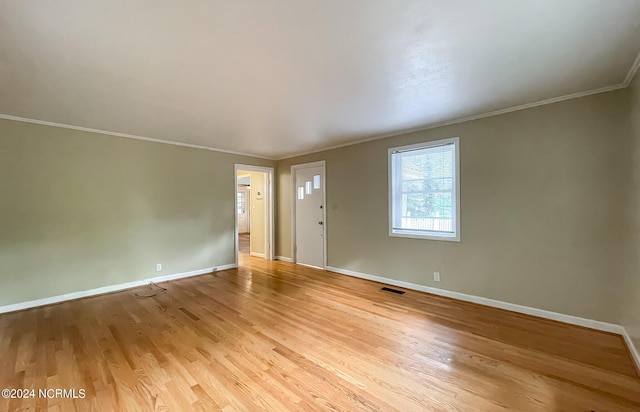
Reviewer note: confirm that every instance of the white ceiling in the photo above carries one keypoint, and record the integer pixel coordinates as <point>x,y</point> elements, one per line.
<point>280,77</point>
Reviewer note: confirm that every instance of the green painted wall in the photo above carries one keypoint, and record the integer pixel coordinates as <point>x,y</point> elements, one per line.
<point>542,200</point>
<point>81,210</point>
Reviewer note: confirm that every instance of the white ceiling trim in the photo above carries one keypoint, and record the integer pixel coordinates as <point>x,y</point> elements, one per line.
<point>125,135</point>
<point>474,117</point>
<point>632,71</point>
<point>627,81</point>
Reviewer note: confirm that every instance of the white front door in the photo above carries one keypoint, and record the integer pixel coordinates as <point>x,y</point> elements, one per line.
<point>242,203</point>
<point>309,215</point>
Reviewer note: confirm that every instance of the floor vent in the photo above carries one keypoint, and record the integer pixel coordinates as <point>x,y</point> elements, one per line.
<point>399,292</point>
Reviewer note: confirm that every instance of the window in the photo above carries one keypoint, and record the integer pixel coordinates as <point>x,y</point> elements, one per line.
<point>424,190</point>
<point>241,202</point>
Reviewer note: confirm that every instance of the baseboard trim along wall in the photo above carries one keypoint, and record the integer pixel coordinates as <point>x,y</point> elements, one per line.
<point>256,254</point>
<point>541,313</point>
<point>574,320</point>
<point>108,289</point>
<point>635,354</point>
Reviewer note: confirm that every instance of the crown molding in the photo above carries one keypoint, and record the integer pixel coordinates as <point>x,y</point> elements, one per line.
<point>632,71</point>
<point>125,135</point>
<point>622,85</point>
<point>469,118</point>
<point>627,81</point>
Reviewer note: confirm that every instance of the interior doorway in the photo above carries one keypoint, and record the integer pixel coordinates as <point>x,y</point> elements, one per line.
<point>243,206</point>
<point>254,211</point>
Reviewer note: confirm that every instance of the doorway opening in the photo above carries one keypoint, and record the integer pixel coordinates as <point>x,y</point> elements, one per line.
<point>253,211</point>
<point>243,206</point>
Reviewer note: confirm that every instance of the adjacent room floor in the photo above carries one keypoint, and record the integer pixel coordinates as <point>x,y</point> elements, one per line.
<point>277,336</point>
<point>244,242</point>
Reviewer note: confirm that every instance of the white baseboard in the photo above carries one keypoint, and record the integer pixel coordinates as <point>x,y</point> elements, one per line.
<point>108,289</point>
<point>226,267</point>
<point>256,254</point>
<point>312,266</point>
<point>635,354</point>
<point>574,320</point>
<point>284,259</point>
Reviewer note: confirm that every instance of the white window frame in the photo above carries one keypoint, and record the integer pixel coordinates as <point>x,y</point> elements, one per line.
<point>430,235</point>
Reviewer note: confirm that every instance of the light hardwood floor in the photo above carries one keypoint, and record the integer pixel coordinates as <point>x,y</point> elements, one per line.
<point>244,242</point>
<point>276,336</point>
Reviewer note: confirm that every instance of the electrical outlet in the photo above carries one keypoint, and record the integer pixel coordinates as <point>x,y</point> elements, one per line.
<point>159,267</point>
<point>436,276</point>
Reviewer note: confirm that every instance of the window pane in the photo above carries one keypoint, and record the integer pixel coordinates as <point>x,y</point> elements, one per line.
<point>308,186</point>
<point>300,193</point>
<point>316,182</point>
<point>441,184</point>
<point>423,189</point>
<point>413,185</point>
<point>427,204</point>
<point>432,224</point>
<point>241,202</point>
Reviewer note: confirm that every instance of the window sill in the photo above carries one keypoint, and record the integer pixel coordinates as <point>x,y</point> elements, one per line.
<point>410,234</point>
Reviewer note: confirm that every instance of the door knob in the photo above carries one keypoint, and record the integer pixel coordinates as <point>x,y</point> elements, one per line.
<point>320,223</point>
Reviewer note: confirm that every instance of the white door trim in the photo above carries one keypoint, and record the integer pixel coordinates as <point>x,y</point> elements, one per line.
<point>269,209</point>
<point>295,168</point>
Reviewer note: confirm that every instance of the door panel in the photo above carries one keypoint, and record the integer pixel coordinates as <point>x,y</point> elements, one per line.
<point>309,219</point>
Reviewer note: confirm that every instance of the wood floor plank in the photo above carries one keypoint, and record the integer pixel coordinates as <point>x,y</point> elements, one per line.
<point>278,336</point>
